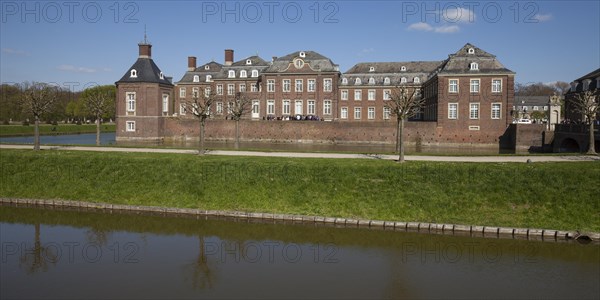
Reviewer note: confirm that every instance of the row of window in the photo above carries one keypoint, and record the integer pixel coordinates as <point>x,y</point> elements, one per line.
<point>474,111</point>
<point>371,95</point>
<point>371,113</point>
<point>474,86</point>
<point>130,105</point>
<point>311,86</point>
<point>286,107</point>
<point>386,81</point>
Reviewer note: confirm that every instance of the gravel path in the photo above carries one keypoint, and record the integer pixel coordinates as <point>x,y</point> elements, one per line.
<point>498,159</point>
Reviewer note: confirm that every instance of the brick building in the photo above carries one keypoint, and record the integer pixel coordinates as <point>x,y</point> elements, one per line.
<point>468,96</point>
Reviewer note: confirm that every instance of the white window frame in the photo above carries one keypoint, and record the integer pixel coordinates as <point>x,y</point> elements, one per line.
<point>416,79</point>
<point>311,85</point>
<point>195,92</point>
<point>386,81</point>
<point>357,113</point>
<point>219,108</point>
<point>243,74</point>
<point>344,81</point>
<point>254,73</point>
<point>270,107</point>
<point>208,78</point>
<point>182,92</point>
<point>496,85</point>
<point>182,109</point>
<point>130,102</point>
<point>371,113</point>
<point>196,78</point>
<point>133,73</point>
<point>219,89</point>
<point>474,111</point>
<point>270,86</point>
<point>242,87</point>
<point>358,95</point>
<point>327,85</point>
<point>499,111</point>
<point>311,107</point>
<point>286,87</point>
<point>231,74</point>
<point>130,126</point>
<point>474,66</point>
<point>344,95</point>
<point>327,107</point>
<point>165,103</point>
<point>455,85</point>
<point>452,116</point>
<point>344,113</point>
<point>231,89</point>
<point>475,88</point>
<point>403,80</point>
<point>207,91</point>
<point>286,107</point>
<point>299,85</point>
<point>357,81</point>
<point>298,107</point>
<point>387,95</point>
<point>371,81</point>
<point>387,112</point>
<point>254,87</point>
<point>371,95</point>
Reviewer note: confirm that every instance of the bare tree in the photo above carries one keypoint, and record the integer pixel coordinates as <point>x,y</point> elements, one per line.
<point>237,108</point>
<point>587,105</point>
<point>99,101</point>
<point>200,108</point>
<point>38,99</point>
<point>404,103</point>
<point>561,87</point>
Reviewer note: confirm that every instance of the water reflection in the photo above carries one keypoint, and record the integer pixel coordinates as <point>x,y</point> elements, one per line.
<point>140,256</point>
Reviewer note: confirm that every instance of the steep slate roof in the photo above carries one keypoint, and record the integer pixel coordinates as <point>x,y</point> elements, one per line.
<point>459,62</point>
<point>531,100</point>
<point>391,70</point>
<point>316,61</point>
<point>213,69</point>
<point>593,85</point>
<point>147,71</point>
<point>257,63</point>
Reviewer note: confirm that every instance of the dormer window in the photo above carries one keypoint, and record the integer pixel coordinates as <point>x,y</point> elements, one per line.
<point>302,54</point>
<point>344,81</point>
<point>386,81</point>
<point>586,84</point>
<point>207,67</point>
<point>161,75</point>
<point>471,51</point>
<point>357,81</point>
<point>371,69</point>
<point>403,80</point>
<point>574,86</point>
<point>248,62</point>
<point>371,80</point>
<point>416,80</point>
<point>243,74</point>
<point>254,73</point>
<point>133,73</point>
<point>474,66</point>
<point>208,78</point>
<point>403,69</point>
<point>196,78</point>
<point>231,74</point>
<point>298,63</point>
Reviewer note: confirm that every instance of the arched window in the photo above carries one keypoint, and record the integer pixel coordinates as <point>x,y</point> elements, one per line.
<point>386,81</point>
<point>254,73</point>
<point>403,80</point>
<point>243,74</point>
<point>133,73</point>
<point>357,81</point>
<point>208,78</point>
<point>416,80</point>
<point>231,74</point>
<point>344,81</point>
<point>371,80</point>
<point>196,78</point>
<point>161,75</point>
<point>474,66</point>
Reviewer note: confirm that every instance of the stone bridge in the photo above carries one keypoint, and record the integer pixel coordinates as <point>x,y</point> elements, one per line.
<point>574,138</point>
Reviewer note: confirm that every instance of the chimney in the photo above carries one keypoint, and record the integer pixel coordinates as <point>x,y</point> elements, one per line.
<point>228,57</point>
<point>145,50</point>
<point>191,63</point>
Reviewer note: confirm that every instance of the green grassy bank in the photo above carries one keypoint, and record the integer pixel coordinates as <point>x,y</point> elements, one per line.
<point>45,129</point>
<point>541,195</point>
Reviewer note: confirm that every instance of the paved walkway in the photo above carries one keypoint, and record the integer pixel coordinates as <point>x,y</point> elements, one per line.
<point>499,158</point>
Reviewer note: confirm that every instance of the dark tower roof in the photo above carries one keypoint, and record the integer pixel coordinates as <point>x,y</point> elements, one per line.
<point>145,69</point>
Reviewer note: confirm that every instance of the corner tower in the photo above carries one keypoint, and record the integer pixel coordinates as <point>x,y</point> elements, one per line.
<point>144,99</point>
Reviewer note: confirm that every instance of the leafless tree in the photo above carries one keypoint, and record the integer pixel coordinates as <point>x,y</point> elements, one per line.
<point>37,100</point>
<point>237,108</point>
<point>99,101</point>
<point>561,87</point>
<point>587,105</point>
<point>404,103</point>
<point>37,258</point>
<point>200,105</point>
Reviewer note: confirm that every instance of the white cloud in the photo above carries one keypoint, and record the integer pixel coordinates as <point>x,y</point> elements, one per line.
<point>447,29</point>
<point>13,51</point>
<point>421,26</point>
<point>71,68</point>
<point>458,15</point>
<point>542,17</point>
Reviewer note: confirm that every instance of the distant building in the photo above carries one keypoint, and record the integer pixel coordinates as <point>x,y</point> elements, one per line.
<point>588,82</point>
<point>539,109</point>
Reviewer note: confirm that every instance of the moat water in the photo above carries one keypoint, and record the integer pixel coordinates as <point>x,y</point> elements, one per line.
<point>81,254</point>
<point>109,139</point>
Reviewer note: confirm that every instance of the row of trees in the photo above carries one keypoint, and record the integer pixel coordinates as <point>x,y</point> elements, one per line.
<point>41,101</point>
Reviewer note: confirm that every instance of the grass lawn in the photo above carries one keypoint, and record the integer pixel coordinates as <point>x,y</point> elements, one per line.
<point>540,195</point>
<point>45,129</point>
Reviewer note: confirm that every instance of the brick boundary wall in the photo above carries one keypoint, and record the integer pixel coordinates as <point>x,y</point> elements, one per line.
<point>336,132</point>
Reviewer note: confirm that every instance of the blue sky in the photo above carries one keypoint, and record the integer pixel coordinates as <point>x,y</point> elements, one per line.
<point>81,43</point>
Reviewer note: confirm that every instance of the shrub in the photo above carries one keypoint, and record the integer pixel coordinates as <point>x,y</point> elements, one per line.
<point>5,122</point>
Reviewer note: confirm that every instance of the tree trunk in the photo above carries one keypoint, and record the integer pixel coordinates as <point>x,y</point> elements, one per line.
<point>398,135</point>
<point>201,146</point>
<point>36,134</point>
<point>401,141</point>
<point>97,130</point>
<point>237,133</point>
<point>592,147</point>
